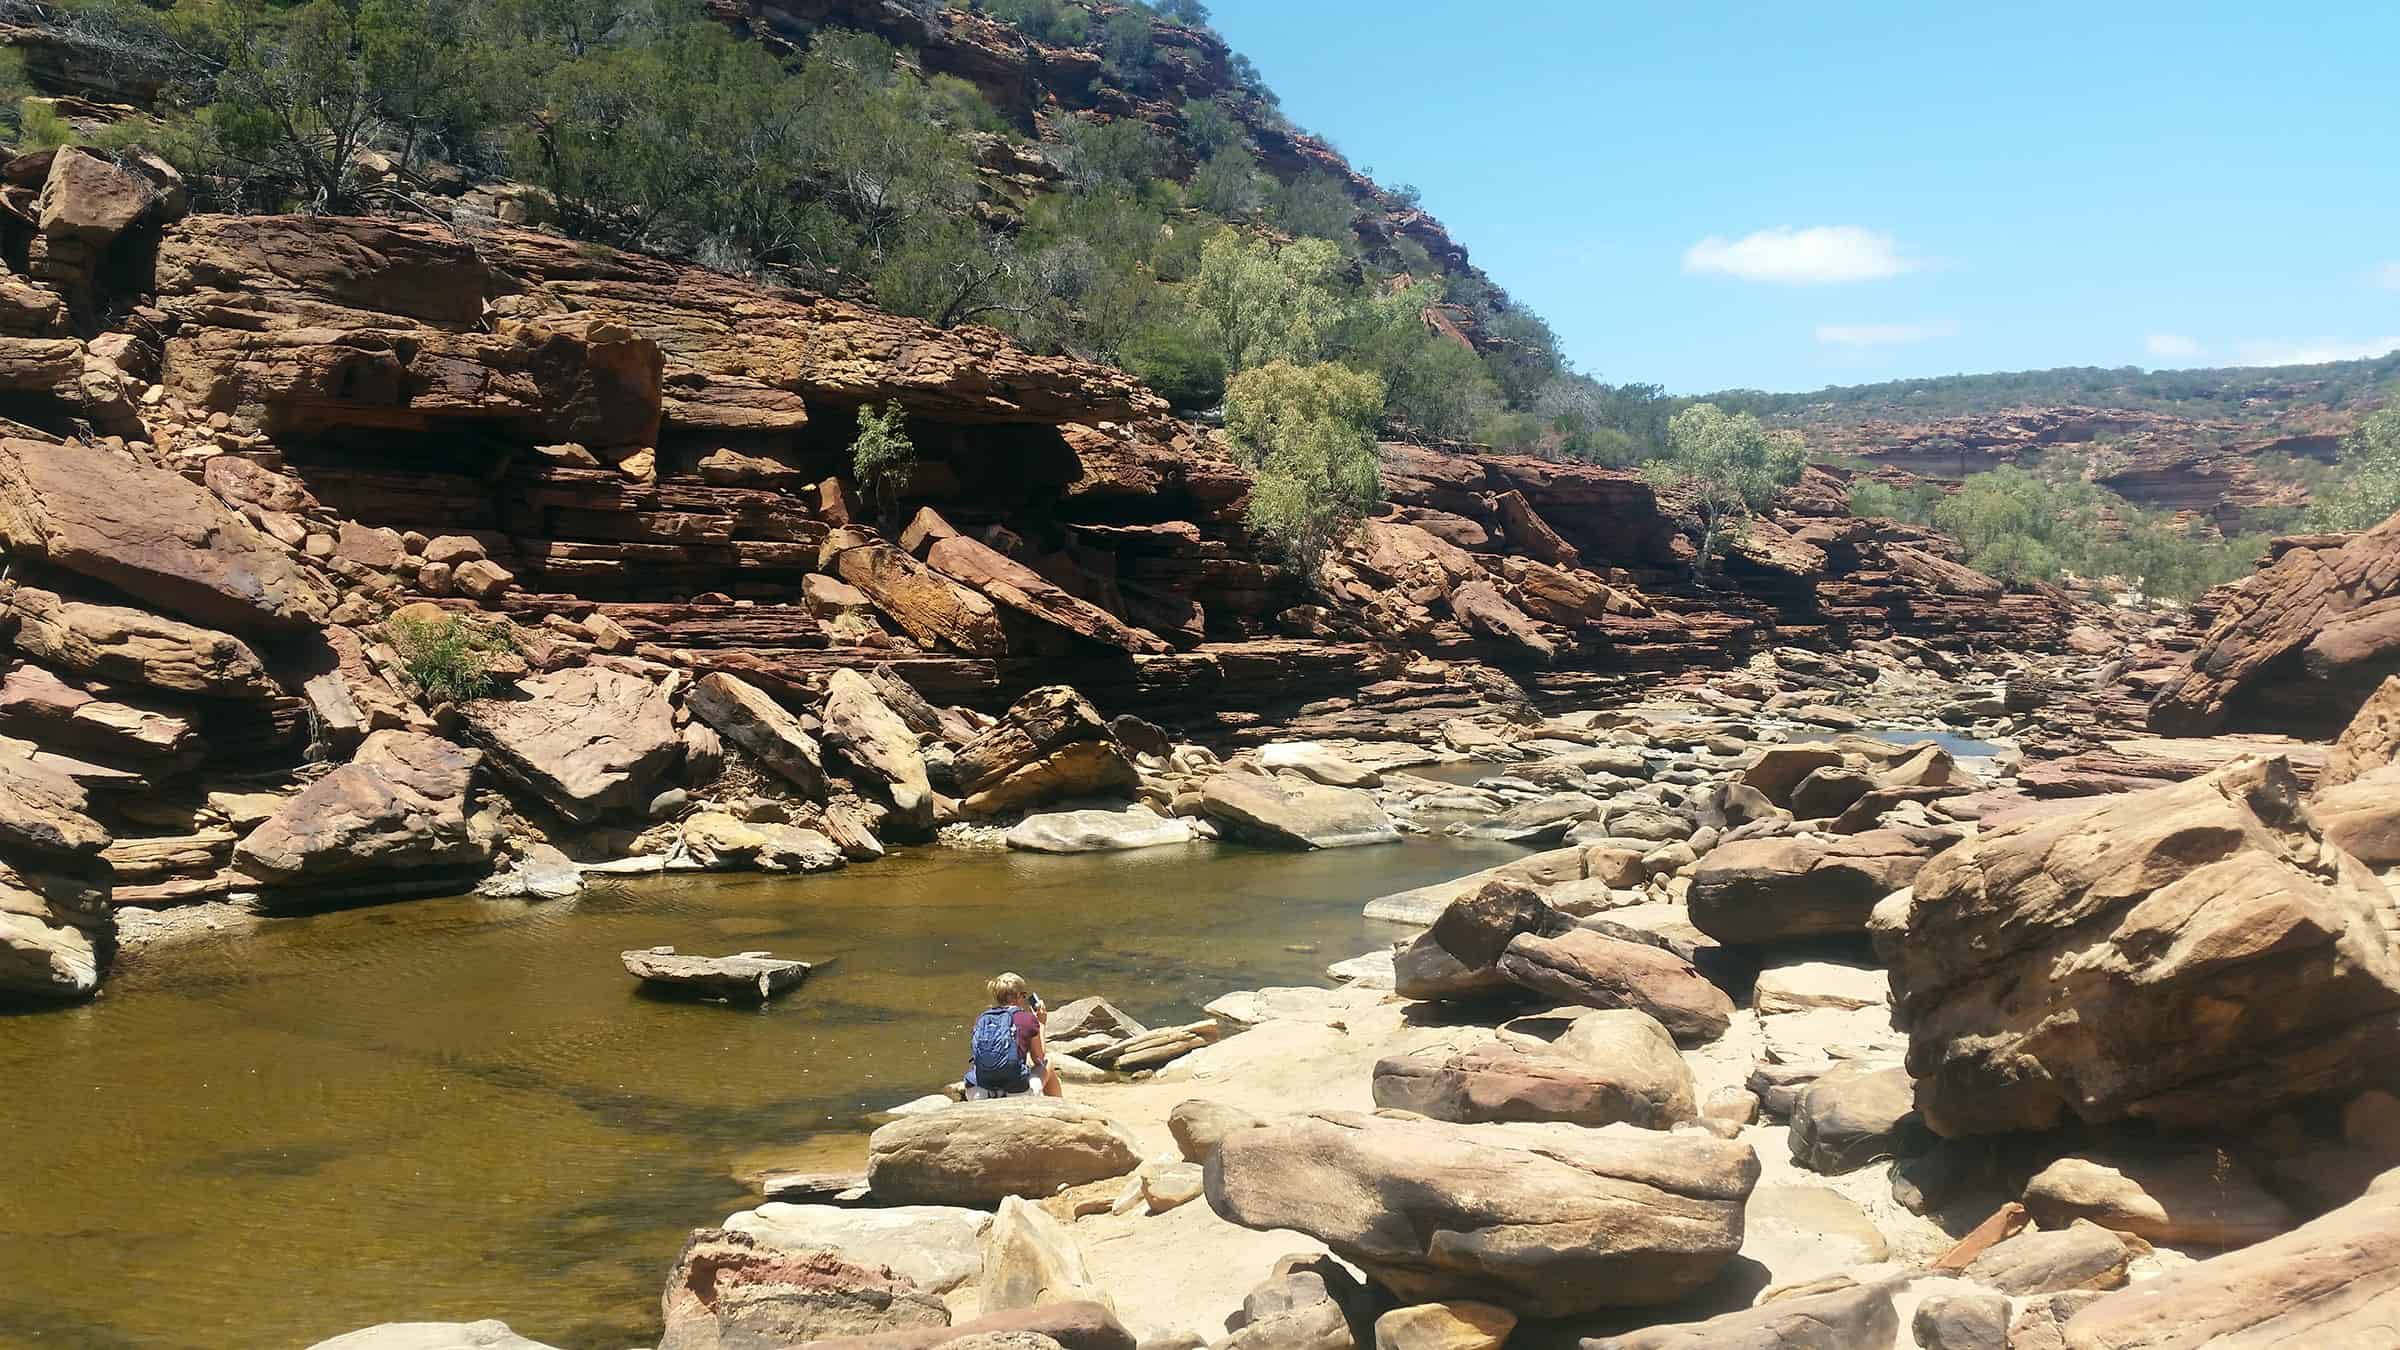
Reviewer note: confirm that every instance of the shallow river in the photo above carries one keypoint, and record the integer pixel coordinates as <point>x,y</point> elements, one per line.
<point>451,1109</point>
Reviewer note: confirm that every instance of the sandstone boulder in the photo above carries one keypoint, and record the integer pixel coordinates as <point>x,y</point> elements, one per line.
<point>2297,646</point>
<point>928,606</point>
<point>1460,1324</point>
<point>715,841</point>
<point>1854,1115</point>
<point>743,714</point>
<point>1756,891</point>
<point>1030,1259</point>
<point>1476,928</point>
<point>979,1153</point>
<point>400,805</point>
<point>2201,1198</point>
<point>1828,792</point>
<point>91,718</point>
<point>1022,589</point>
<point>135,647</point>
<point>1480,607</point>
<point>90,198</point>
<point>1545,1220</point>
<point>1629,1073</point>
<point>729,1291</point>
<point>1583,967</point>
<point>2330,1282</point>
<point>58,934</point>
<point>1050,744</point>
<point>155,536</point>
<point>592,741</point>
<point>2370,742</point>
<point>1072,1326</point>
<point>43,811</point>
<point>2362,817</point>
<point>2171,955</point>
<point>2082,1255</point>
<point>1423,970</point>
<point>1280,813</point>
<point>1780,769</point>
<point>872,737</point>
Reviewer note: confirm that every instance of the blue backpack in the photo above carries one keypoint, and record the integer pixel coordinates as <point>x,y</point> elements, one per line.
<point>995,1064</point>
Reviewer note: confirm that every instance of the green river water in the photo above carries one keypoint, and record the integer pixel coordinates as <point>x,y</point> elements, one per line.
<point>452,1109</point>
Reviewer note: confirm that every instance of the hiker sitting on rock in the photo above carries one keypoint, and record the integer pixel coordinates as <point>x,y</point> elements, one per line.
<point>1006,1054</point>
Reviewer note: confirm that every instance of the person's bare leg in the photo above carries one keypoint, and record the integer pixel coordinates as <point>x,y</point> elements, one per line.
<point>1050,1084</point>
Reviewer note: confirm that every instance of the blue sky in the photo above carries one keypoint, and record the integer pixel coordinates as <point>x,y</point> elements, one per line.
<point>1782,196</point>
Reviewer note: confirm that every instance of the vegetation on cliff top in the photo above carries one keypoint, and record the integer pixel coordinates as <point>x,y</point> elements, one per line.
<point>2364,487</point>
<point>2213,393</point>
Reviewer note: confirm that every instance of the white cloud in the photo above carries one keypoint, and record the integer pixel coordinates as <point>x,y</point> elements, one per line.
<point>1797,257</point>
<point>2386,275</point>
<point>2313,351</point>
<point>1882,334</point>
<point>2173,346</point>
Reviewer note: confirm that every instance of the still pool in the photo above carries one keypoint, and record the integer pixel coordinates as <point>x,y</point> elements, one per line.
<point>453,1109</point>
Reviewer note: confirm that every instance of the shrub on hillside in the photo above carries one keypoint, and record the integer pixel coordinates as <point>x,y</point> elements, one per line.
<point>1730,465</point>
<point>2364,489</point>
<point>1308,432</point>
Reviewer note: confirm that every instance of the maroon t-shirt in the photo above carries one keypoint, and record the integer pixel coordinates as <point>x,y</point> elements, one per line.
<point>1027,1026</point>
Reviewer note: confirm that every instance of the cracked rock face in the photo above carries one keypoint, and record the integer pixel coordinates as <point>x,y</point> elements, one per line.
<point>2171,955</point>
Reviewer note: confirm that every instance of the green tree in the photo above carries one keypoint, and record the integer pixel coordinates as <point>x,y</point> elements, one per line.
<point>1189,12</point>
<point>1730,465</point>
<point>1211,128</point>
<point>1308,432</point>
<point>1314,204</point>
<point>1126,47</point>
<point>1228,184</point>
<point>2365,488</point>
<point>1269,303</point>
<point>1435,387</point>
<point>882,457</point>
<point>1048,20</point>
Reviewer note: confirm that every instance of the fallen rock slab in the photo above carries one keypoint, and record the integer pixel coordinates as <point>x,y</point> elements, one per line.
<point>400,805</point>
<point>2201,1198</point>
<point>1856,1318</point>
<point>751,977</point>
<point>1780,890</point>
<point>592,741</point>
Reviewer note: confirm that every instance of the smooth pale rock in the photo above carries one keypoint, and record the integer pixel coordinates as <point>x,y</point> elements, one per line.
<point>979,1153</point>
<point>1029,1259</point>
<point>1460,1324</point>
<point>401,804</point>
<point>1801,1234</point>
<point>593,741</point>
<point>43,810</point>
<point>1090,1016</point>
<point>2235,961</point>
<point>1855,1114</point>
<point>1544,820</point>
<point>154,535</point>
<point>1293,1310</point>
<point>484,1335</point>
<point>1318,763</point>
<point>1546,1220</point>
<point>1962,1322</point>
<point>1861,1317</point>
<point>937,1247</point>
<point>2330,1282</point>
<point>2082,1255</point>
<point>743,714</point>
<point>1198,1126</point>
<point>57,931</point>
<point>1099,831</point>
<point>1782,889</point>
<point>1798,986</point>
<point>1585,968</point>
<point>2362,817</point>
<point>730,1291</point>
<point>2203,1198</point>
<point>1283,814</point>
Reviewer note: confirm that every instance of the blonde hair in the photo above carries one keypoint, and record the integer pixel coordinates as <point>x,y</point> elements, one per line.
<point>1004,987</point>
